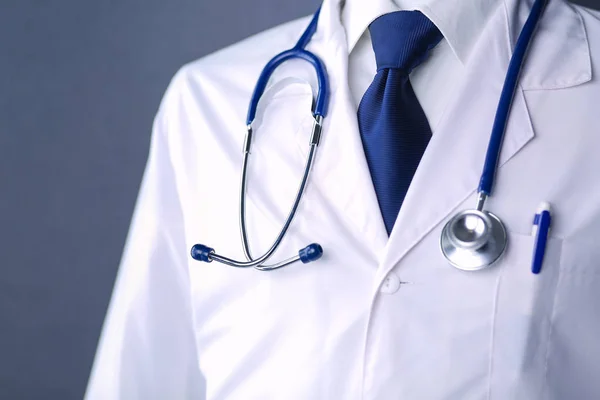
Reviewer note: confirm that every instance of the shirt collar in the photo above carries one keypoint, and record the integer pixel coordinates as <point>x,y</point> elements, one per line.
<point>460,21</point>
<point>559,56</point>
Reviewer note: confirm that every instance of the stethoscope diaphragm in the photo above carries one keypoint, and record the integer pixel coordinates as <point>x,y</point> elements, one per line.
<point>473,240</point>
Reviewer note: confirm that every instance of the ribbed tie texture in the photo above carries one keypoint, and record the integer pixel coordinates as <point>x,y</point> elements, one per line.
<point>393,127</point>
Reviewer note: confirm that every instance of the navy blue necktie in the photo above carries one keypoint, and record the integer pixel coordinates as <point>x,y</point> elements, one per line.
<point>393,126</point>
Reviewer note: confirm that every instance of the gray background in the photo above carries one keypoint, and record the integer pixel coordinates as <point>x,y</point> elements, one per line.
<point>80,82</point>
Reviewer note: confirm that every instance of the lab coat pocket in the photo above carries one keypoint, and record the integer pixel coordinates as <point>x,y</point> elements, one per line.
<point>522,319</point>
<point>573,362</point>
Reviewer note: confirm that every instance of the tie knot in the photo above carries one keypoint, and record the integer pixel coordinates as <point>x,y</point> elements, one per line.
<point>402,39</point>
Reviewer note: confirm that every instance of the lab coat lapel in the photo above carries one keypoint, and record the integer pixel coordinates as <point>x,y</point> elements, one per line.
<point>340,181</point>
<point>451,166</point>
<point>341,174</point>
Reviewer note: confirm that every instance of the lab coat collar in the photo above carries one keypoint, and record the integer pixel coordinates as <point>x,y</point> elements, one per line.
<point>559,56</point>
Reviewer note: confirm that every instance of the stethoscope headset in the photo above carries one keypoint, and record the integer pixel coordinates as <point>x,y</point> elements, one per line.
<point>471,240</point>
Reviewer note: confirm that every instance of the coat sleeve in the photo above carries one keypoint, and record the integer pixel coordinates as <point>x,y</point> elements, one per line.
<point>147,348</point>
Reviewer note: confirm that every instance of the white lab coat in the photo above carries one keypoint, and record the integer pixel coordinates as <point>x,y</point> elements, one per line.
<point>373,319</point>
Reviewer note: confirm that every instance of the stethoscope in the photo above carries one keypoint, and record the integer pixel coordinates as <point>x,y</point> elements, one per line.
<point>471,240</point>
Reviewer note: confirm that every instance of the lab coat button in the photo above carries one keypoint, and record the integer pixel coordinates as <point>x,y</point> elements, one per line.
<point>390,284</point>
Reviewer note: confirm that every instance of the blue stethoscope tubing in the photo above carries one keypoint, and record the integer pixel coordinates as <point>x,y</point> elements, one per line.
<point>511,81</point>
<point>313,251</point>
<point>492,225</point>
<point>297,52</point>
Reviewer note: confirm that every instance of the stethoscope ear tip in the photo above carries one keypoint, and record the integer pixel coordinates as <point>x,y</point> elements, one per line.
<point>201,252</point>
<point>310,253</point>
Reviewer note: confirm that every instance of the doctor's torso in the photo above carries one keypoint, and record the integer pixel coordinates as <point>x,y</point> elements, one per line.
<point>376,317</point>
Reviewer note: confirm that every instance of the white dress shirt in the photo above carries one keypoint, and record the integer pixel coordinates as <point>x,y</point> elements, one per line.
<point>435,79</point>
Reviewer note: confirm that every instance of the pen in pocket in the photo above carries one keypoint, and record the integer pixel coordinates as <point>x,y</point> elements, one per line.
<point>540,231</point>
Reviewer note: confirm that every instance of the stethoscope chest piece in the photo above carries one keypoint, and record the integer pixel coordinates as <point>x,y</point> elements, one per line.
<point>473,240</point>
